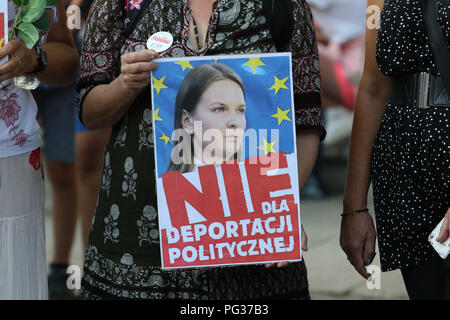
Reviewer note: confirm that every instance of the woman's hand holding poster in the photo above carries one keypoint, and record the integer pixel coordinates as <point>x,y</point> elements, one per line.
<point>226,160</point>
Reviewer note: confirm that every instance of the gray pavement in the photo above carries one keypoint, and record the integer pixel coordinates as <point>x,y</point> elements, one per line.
<point>331,277</point>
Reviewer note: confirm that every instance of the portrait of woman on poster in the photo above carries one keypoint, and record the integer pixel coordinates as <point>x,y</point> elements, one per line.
<point>213,98</point>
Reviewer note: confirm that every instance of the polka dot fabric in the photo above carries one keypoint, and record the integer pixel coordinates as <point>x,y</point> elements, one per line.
<point>411,154</point>
<point>403,45</point>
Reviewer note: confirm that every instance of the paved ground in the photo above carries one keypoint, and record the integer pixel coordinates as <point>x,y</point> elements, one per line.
<point>330,275</point>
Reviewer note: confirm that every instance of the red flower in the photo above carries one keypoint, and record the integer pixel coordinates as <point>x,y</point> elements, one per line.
<point>20,138</point>
<point>35,159</point>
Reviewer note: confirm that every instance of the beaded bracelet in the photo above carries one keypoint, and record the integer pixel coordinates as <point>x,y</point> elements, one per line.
<point>344,214</point>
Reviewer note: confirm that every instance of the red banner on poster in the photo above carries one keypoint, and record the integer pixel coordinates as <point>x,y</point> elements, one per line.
<point>3,26</point>
<point>269,233</point>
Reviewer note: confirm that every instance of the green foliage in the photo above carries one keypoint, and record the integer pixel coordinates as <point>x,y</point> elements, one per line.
<point>35,10</point>
<point>30,19</point>
<point>42,23</point>
<point>28,33</point>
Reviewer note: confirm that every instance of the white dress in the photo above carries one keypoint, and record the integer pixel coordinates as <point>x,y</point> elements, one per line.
<point>23,274</point>
<point>22,239</point>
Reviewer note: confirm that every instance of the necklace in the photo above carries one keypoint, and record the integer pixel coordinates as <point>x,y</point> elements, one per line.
<point>200,28</point>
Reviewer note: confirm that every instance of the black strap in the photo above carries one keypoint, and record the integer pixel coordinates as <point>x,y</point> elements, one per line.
<point>280,17</point>
<point>135,16</point>
<point>438,42</point>
<point>407,90</point>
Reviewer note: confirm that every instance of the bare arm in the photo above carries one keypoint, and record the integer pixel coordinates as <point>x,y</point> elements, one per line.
<point>307,148</point>
<point>106,104</point>
<point>374,91</point>
<point>62,53</point>
<point>357,231</point>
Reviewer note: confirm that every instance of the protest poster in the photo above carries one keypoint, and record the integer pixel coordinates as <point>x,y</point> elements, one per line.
<point>226,160</point>
<point>3,26</point>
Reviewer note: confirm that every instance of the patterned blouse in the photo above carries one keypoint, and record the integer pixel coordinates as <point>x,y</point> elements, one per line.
<point>123,249</point>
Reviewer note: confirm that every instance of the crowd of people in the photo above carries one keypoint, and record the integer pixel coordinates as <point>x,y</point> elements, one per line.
<point>91,112</point>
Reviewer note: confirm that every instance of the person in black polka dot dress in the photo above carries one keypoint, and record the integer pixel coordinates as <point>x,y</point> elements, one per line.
<point>404,150</point>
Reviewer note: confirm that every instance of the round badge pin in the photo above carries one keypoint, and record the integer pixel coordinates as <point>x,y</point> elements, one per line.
<point>160,41</point>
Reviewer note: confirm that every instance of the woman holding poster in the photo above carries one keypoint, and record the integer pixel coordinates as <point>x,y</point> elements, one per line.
<point>123,258</point>
<point>22,239</point>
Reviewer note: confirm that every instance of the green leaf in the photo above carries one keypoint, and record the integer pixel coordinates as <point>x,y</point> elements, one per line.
<point>28,33</point>
<point>52,2</point>
<point>35,10</point>
<point>42,23</point>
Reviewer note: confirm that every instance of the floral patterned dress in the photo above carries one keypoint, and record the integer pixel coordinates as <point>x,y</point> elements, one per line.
<point>123,255</point>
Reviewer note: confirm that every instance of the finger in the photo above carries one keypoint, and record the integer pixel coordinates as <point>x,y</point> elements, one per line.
<point>154,53</point>
<point>363,272</point>
<point>444,232</point>
<point>282,264</point>
<point>10,65</point>
<point>6,76</point>
<point>269,265</point>
<point>138,67</point>
<point>9,49</point>
<point>304,240</point>
<point>144,68</point>
<point>141,56</point>
<point>357,260</point>
<point>369,250</point>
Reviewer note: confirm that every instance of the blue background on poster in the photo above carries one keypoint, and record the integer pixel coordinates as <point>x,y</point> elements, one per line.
<point>261,101</point>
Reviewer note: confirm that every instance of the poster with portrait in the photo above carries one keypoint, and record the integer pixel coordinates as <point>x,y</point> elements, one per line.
<point>226,160</point>
<point>3,26</point>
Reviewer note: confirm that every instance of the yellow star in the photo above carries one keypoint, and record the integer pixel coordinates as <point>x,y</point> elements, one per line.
<point>164,138</point>
<point>281,115</point>
<point>279,84</point>
<point>268,147</point>
<point>185,64</point>
<point>1,42</point>
<point>158,84</point>
<point>254,63</point>
<point>157,117</point>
